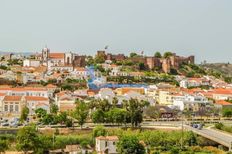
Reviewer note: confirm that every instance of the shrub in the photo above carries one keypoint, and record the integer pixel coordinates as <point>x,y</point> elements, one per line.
<point>219,125</point>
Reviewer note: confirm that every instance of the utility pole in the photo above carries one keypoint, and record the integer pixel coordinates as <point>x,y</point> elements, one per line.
<point>182,130</point>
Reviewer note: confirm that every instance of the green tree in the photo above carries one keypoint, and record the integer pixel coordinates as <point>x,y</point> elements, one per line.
<point>49,119</point>
<point>167,54</point>
<point>98,116</point>
<point>135,110</point>
<point>24,114</point>
<point>69,122</point>
<point>62,117</point>
<point>227,112</point>
<point>142,66</point>
<point>116,115</point>
<point>45,143</point>
<point>103,105</point>
<point>99,59</point>
<point>130,144</point>
<point>99,131</point>
<point>27,139</point>
<point>81,113</point>
<point>115,101</point>
<point>158,55</point>
<point>40,112</point>
<point>3,67</point>
<point>54,108</point>
<point>152,112</point>
<point>3,146</point>
<point>133,54</point>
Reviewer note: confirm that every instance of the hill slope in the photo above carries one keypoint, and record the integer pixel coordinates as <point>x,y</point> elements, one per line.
<point>224,68</point>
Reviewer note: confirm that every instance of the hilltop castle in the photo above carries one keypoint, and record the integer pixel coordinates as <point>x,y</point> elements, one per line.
<point>166,64</point>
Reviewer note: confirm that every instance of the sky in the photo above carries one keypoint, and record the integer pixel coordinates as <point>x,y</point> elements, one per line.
<point>187,27</point>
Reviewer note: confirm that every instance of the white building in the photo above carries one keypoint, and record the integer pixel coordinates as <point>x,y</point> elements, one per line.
<point>190,102</point>
<point>68,68</point>
<point>2,95</point>
<point>31,63</point>
<point>106,144</point>
<point>105,93</point>
<point>80,72</point>
<point>26,91</point>
<point>35,102</point>
<point>50,59</point>
<point>194,82</point>
<point>12,105</point>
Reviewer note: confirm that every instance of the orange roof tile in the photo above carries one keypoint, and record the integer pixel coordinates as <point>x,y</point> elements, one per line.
<point>2,94</point>
<point>36,98</point>
<point>56,55</point>
<point>223,102</point>
<point>23,89</point>
<point>195,79</point>
<point>51,86</point>
<point>12,98</point>
<point>42,104</point>
<point>62,93</point>
<point>114,65</point>
<point>80,69</point>
<point>109,138</point>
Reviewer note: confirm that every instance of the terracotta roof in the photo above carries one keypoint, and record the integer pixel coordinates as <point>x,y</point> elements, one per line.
<point>12,98</point>
<point>91,93</point>
<point>222,91</point>
<point>56,55</point>
<point>177,94</point>
<point>2,94</point>
<point>114,65</point>
<point>51,86</point>
<point>222,102</point>
<point>23,89</point>
<point>42,104</point>
<point>62,93</point>
<point>80,69</point>
<point>36,98</point>
<point>109,138</point>
<point>195,79</point>
<point>66,98</point>
<point>66,107</point>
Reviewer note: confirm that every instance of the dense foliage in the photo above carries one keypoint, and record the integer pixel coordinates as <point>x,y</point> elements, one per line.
<point>130,112</point>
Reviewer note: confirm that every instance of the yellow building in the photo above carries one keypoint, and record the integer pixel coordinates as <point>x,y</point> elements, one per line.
<point>122,91</point>
<point>165,98</point>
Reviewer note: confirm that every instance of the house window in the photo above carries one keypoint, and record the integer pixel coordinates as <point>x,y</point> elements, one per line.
<point>16,108</point>
<point>6,107</point>
<point>106,144</point>
<point>11,108</point>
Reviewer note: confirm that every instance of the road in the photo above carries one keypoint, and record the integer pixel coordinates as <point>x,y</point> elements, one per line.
<point>220,137</point>
<point>214,135</point>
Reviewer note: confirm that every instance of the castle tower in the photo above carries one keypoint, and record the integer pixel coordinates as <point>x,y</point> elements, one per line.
<point>166,65</point>
<point>68,59</point>
<point>45,54</point>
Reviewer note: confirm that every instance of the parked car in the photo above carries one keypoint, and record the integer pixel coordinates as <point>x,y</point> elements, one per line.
<point>198,126</point>
<point>5,124</point>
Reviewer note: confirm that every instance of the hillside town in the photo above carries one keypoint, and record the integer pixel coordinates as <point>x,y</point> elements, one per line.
<point>55,78</point>
<point>64,90</point>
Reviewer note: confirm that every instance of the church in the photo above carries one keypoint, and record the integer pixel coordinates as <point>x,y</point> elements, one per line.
<point>56,58</point>
<point>60,60</point>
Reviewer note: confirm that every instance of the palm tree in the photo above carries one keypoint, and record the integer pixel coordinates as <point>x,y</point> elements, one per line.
<point>115,102</point>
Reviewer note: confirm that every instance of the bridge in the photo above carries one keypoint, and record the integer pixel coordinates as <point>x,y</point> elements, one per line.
<point>217,136</point>
<point>214,135</point>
